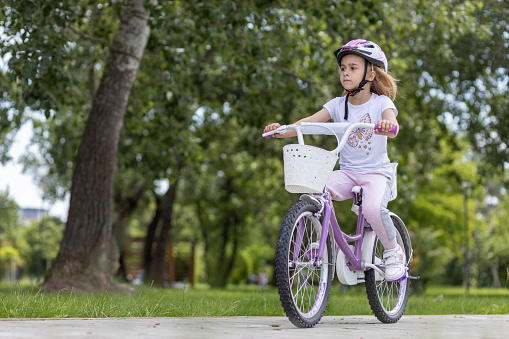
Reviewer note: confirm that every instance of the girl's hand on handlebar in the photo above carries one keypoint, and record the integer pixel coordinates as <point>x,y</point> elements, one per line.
<point>272,127</point>
<point>385,127</point>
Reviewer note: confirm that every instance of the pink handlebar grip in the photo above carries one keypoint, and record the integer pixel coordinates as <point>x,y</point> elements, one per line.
<point>394,129</point>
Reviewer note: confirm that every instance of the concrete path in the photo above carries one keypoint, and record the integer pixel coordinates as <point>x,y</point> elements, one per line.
<point>448,326</point>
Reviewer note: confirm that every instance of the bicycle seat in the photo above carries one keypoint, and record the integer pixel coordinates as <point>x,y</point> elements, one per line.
<point>357,199</point>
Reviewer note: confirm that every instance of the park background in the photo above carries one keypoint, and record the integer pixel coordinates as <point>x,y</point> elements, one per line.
<point>177,158</point>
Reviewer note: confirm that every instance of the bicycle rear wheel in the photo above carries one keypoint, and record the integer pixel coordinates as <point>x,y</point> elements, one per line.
<point>303,285</point>
<point>387,299</point>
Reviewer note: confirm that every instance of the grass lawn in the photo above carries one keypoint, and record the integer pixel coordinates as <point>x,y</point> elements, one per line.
<point>30,302</point>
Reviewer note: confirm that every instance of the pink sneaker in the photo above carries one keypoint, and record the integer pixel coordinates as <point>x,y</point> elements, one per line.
<point>394,259</point>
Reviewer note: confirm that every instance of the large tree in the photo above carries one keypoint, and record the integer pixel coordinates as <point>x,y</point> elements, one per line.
<point>85,259</point>
<point>38,33</point>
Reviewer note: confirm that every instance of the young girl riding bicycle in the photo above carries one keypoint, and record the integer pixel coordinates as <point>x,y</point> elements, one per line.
<point>368,97</point>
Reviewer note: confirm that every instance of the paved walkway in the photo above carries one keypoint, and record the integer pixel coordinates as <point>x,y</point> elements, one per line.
<point>448,326</point>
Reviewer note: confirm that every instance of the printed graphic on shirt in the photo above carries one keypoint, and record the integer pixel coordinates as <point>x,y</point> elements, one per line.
<point>361,136</point>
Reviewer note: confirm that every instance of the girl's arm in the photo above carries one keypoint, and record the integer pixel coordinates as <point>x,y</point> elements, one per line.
<point>388,121</point>
<point>320,116</point>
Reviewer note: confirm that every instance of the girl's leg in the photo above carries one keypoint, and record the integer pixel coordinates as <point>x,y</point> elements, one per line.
<point>376,191</point>
<point>340,185</point>
<point>375,196</point>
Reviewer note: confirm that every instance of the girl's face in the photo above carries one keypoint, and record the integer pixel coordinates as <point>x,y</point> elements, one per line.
<point>352,71</point>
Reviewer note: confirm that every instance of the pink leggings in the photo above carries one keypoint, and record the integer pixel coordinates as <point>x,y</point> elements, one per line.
<point>375,196</point>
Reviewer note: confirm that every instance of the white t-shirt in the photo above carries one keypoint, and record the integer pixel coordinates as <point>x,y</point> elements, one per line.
<point>365,152</point>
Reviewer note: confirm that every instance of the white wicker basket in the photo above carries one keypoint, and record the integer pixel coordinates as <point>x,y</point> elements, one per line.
<point>307,168</point>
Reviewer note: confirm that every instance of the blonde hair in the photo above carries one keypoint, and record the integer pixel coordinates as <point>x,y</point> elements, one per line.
<point>382,84</point>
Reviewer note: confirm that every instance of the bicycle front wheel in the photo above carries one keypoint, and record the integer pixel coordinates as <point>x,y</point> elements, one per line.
<point>388,299</point>
<point>303,283</point>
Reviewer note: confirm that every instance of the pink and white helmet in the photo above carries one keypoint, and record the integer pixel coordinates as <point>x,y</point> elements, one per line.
<point>366,49</point>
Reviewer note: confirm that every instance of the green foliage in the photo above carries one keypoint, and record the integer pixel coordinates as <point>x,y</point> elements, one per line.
<point>20,242</point>
<point>45,235</point>
<point>437,216</point>
<point>431,258</point>
<point>10,237</point>
<point>8,254</point>
<point>251,261</point>
<point>44,62</point>
<point>9,221</point>
<point>492,245</point>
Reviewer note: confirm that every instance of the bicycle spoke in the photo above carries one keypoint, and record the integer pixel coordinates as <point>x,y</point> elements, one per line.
<point>388,301</point>
<point>388,293</point>
<point>300,285</point>
<point>307,292</point>
<point>306,288</point>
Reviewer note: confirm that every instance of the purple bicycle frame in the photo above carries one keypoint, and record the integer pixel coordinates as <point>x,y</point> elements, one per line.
<point>340,237</point>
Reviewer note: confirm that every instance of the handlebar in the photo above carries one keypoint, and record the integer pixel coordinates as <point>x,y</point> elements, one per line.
<point>330,128</point>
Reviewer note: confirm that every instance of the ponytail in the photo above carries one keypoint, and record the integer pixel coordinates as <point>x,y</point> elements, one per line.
<point>384,84</point>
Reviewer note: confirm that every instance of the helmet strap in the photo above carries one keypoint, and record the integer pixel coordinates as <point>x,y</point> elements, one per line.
<point>358,89</point>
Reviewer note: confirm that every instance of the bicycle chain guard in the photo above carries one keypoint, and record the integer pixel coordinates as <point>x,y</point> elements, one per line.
<point>345,276</point>
<point>343,272</point>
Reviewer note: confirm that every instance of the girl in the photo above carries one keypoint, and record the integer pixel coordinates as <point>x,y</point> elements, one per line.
<point>364,161</point>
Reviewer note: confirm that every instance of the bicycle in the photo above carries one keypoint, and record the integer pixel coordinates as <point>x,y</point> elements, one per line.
<point>311,243</point>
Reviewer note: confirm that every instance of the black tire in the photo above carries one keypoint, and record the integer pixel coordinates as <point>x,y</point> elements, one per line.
<point>388,300</point>
<point>303,288</point>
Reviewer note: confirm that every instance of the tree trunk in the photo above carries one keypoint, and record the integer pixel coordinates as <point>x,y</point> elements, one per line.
<point>234,224</point>
<point>221,249</point>
<point>149,240</point>
<point>88,254</point>
<point>124,208</point>
<point>157,268</point>
<point>494,272</point>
